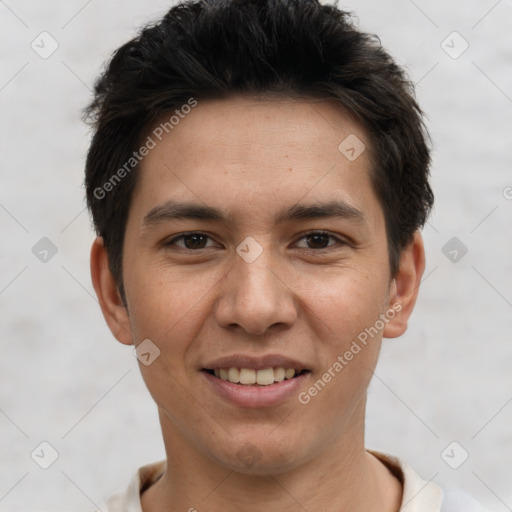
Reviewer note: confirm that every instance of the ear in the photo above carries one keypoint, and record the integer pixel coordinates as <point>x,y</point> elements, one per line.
<point>112,307</point>
<point>405,287</point>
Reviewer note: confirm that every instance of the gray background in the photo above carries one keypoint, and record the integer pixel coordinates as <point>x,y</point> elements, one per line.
<point>65,380</point>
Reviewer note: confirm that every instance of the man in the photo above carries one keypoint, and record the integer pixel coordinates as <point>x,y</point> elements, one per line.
<point>257,178</point>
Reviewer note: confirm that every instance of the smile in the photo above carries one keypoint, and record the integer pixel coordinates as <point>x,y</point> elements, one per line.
<point>252,377</point>
<point>255,388</point>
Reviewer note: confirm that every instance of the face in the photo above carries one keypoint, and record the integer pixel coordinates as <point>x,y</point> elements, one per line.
<point>255,250</point>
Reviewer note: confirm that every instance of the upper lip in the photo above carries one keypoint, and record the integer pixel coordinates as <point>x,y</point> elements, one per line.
<point>255,363</point>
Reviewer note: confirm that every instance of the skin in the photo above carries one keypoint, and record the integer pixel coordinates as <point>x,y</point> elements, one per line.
<point>250,158</point>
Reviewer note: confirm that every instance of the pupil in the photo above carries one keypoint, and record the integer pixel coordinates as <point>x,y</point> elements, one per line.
<point>317,240</point>
<point>194,241</point>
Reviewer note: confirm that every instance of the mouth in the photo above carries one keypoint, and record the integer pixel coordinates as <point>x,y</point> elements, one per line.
<point>254,377</point>
<point>255,381</point>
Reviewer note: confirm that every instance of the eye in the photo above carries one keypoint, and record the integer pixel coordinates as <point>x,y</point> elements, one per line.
<point>316,240</point>
<point>191,241</point>
<point>319,240</point>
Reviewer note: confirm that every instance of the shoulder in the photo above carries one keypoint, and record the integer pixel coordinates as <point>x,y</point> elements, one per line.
<point>129,499</point>
<point>457,500</point>
<point>426,496</point>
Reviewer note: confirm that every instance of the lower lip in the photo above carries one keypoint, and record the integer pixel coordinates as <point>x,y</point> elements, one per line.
<point>254,395</point>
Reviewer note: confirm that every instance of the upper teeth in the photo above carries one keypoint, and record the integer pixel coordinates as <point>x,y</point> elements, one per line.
<point>249,376</point>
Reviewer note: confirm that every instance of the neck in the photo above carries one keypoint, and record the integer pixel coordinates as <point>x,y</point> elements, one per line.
<point>344,477</point>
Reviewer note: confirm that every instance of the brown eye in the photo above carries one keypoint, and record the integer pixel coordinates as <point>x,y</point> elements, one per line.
<point>195,241</point>
<point>319,240</point>
<point>191,241</point>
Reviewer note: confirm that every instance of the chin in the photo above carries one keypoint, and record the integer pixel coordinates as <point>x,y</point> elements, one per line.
<point>262,457</point>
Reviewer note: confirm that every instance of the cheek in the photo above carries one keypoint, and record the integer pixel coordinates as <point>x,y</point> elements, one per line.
<point>166,302</point>
<point>170,309</point>
<point>345,302</point>
<point>345,308</point>
<point>345,312</point>
<point>166,309</point>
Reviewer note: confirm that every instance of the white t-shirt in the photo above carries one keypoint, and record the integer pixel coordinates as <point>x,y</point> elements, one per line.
<point>418,495</point>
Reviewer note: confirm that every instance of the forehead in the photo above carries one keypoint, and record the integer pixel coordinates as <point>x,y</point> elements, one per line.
<point>239,125</point>
<point>269,150</point>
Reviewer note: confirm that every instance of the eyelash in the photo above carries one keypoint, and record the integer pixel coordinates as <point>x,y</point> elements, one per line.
<point>338,240</point>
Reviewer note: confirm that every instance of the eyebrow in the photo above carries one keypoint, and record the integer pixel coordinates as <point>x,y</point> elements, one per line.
<point>171,210</point>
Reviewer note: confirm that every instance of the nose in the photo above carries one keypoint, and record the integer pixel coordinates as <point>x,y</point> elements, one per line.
<point>255,297</point>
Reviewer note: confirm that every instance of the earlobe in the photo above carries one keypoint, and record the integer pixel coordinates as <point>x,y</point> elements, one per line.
<point>405,287</point>
<point>112,306</point>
